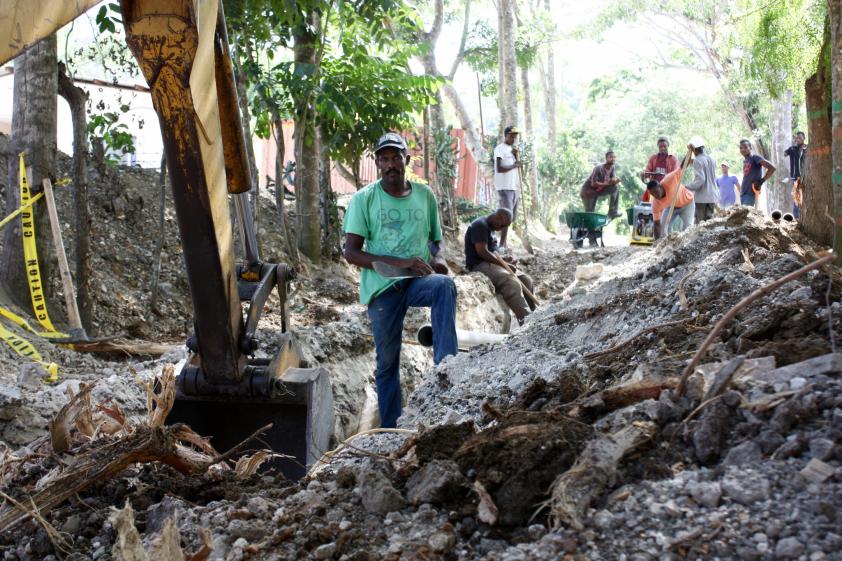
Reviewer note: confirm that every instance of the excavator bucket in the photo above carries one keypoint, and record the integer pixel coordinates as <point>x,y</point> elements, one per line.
<point>300,413</point>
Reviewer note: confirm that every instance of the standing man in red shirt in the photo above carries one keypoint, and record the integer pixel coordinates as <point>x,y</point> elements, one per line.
<point>659,165</point>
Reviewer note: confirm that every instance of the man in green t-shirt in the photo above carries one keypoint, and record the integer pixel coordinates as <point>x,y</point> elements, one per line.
<point>396,222</point>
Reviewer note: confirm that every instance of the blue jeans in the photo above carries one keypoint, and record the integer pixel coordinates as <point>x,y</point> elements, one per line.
<point>387,312</point>
<point>747,199</point>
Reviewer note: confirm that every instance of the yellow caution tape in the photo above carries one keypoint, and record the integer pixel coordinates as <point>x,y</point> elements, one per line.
<point>25,348</point>
<point>30,254</point>
<point>33,274</point>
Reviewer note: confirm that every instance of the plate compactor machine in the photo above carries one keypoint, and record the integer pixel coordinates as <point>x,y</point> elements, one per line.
<point>223,391</point>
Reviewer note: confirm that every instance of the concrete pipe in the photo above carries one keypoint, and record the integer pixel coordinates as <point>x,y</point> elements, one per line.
<point>788,217</point>
<point>777,215</point>
<point>465,339</point>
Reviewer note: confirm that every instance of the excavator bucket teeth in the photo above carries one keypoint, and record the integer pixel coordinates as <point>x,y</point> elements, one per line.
<point>301,414</point>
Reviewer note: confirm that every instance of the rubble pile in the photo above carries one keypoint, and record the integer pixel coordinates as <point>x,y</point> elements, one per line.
<point>570,440</point>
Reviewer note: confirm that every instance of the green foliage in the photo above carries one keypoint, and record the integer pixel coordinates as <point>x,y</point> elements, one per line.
<point>366,89</point>
<point>621,82</point>
<point>784,42</point>
<point>469,211</point>
<point>360,88</point>
<point>561,176</point>
<point>109,17</point>
<point>115,135</point>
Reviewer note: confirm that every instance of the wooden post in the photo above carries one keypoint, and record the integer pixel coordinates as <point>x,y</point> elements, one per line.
<point>66,279</point>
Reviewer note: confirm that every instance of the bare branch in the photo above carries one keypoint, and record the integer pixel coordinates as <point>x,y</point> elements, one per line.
<point>460,55</point>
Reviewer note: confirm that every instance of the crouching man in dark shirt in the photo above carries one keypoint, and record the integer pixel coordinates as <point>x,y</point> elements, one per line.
<point>480,245</point>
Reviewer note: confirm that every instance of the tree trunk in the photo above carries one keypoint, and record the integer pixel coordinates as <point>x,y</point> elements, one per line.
<point>466,123</point>
<point>159,246</point>
<point>532,169</point>
<point>286,228</point>
<point>817,205</point>
<point>836,109</point>
<point>77,98</point>
<point>306,147</point>
<point>550,94</point>
<point>329,212</point>
<point>507,66</point>
<point>33,132</point>
<point>779,195</point>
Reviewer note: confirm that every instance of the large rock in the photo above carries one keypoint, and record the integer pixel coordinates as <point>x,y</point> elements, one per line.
<point>746,453</point>
<point>436,482</point>
<point>378,495</point>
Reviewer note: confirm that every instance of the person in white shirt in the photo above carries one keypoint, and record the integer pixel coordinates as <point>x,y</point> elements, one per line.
<point>507,176</point>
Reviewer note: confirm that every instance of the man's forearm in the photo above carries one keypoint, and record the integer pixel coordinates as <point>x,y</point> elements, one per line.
<point>486,255</point>
<point>365,259</point>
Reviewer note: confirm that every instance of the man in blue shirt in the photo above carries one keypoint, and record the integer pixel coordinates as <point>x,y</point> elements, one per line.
<point>753,177</point>
<point>728,187</point>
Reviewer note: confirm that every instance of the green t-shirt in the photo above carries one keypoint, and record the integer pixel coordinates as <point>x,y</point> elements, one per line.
<point>392,226</point>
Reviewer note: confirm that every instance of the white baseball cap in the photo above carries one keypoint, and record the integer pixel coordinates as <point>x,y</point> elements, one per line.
<point>696,142</point>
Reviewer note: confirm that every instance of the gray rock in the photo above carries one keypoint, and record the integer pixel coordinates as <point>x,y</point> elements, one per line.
<point>769,441</point>
<point>774,527</point>
<point>792,448</point>
<point>707,494</point>
<point>746,453</point>
<point>604,520</point>
<point>72,524</point>
<point>709,432</point>
<point>258,506</point>
<point>436,482</point>
<point>803,293</point>
<point>822,448</point>
<point>325,551</point>
<point>158,513</point>
<point>378,495</point>
<point>748,553</point>
<point>250,530</point>
<point>746,490</point>
<point>30,374</point>
<point>789,548</point>
<point>442,541</point>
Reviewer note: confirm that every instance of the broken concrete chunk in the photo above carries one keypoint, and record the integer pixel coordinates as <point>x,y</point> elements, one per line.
<point>822,448</point>
<point>821,365</point>
<point>706,494</point>
<point>436,482</point>
<point>816,471</point>
<point>378,495</point>
<point>746,453</point>
<point>789,548</point>
<point>746,490</point>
